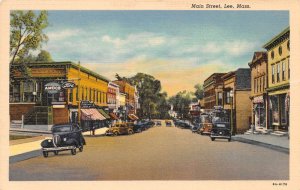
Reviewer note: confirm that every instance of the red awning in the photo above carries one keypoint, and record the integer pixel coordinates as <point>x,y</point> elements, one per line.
<point>113,116</point>
<point>91,114</point>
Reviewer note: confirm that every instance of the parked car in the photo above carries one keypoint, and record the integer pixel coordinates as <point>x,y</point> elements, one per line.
<point>149,124</point>
<point>168,123</point>
<point>221,126</point>
<point>158,123</point>
<point>120,129</point>
<point>64,137</point>
<point>205,124</point>
<point>139,127</point>
<point>196,128</point>
<point>184,125</point>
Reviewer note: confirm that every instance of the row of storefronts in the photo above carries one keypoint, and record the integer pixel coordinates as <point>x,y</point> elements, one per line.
<point>259,96</point>
<point>62,92</point>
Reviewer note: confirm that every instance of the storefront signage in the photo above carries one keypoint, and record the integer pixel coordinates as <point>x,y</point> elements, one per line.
<point>85,104</point>
<point>52,87</point>
<point>68,85</point>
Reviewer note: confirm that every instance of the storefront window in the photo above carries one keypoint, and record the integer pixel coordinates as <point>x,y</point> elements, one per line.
<point>14,93</point>
<point>283,109</point>
<point>274,109</point>
<point>28,88</point>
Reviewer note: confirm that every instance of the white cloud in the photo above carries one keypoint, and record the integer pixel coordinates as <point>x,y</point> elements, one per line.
<point>63,34</point>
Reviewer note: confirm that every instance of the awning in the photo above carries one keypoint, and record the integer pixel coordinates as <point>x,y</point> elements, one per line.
<point>113,116</point>
<point>104,113</point>
<point>133,117</point>
<point>91,114</point>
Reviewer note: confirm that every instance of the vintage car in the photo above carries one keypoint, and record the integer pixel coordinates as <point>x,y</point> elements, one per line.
<point>120,129</point>
<point>221,126</point>
<point>205,124</point>
<point>64,137</point>
<point>158,123</point>
<point>168,123</point>
<point>139,127</point>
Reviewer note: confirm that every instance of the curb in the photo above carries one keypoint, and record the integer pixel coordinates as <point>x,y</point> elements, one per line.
<point>24,156</point>
<point>262,144</point>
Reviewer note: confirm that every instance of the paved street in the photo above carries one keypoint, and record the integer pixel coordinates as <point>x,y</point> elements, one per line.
<point>161,153</point>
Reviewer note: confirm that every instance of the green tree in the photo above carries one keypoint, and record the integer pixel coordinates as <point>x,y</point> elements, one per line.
<point>198,91</point>
<point>26,35</point>
<point>153,103</point>
<point>44,56</point>
<point>181,103</point>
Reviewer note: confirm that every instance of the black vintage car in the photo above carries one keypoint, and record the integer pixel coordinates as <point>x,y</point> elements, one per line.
<point>64,137</point>
<point>220,126</point>
<point>139,127</point>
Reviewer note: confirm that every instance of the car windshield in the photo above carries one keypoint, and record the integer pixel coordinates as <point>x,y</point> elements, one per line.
<point>61,128</point>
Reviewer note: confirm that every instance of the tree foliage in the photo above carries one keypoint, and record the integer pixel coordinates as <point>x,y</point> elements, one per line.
<point>26,33</point>
<point>199,91</point>
<point>181,103</point>
<point>153,102</point>
<point>44,56</point>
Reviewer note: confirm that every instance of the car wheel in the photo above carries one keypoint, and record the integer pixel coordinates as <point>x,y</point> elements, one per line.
<point>212,138</point>
<point>73,151</point>
<point>229,139</point>
<point>56,152</point>
<point>115,133</point>
<point>81,148</point>
<point>45,154</point>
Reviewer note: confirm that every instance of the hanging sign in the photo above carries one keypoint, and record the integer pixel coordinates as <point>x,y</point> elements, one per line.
<point>68,85</point>
<point>52,87</point>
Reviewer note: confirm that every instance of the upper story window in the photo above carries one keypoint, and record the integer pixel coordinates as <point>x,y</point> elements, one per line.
<point>254,85</point>
<point>283,70</point>
<point>288,68</point>
<point>278,72</point>
<point>273,74</point>
<point>288,45</point>
<point>280,50</point>
<point>272,54</point>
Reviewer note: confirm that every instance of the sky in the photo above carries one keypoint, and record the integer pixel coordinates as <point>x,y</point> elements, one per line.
<point>179,48</point>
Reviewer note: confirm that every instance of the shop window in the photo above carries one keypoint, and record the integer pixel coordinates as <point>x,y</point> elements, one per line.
<point>274,102</point>
<point>283,109</point>
<point>28,89</point>
<point>273,74</point>
<point>283,70</point>
<point>14,93</point>
<point>278,72</point>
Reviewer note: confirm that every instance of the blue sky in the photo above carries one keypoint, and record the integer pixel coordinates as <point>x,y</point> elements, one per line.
<point>180,48</point>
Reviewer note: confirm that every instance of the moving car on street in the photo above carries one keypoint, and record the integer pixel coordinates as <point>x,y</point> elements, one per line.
<point>64,137</point>
<point>221,126</point>
<point>120,129</point>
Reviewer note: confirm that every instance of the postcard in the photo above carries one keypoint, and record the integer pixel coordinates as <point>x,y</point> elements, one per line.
<point>143,94</point>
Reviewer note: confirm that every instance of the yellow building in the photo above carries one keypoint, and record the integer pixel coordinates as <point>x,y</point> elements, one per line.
<point>41,99</point>
<point>236,93</point>
<point>278,50</point>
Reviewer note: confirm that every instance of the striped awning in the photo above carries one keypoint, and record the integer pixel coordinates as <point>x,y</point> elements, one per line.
<point>91,114</point>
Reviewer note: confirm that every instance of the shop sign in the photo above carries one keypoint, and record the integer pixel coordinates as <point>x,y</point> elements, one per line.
<point>52,87</point>
<point>68,85</point>
<point>85,104</point>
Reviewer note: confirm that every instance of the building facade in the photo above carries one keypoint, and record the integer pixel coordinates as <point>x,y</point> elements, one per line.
<point>112,94</point>
<point>44,99</point>
<point>259,84</point>
<point>236,93</point>
<point>209,88</point>
<point>278,50</point>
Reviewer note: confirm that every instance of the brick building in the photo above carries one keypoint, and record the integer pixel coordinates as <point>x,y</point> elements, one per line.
<point>209,88</point>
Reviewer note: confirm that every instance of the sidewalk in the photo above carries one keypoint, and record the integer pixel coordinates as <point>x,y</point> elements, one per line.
<point>268,141</point>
